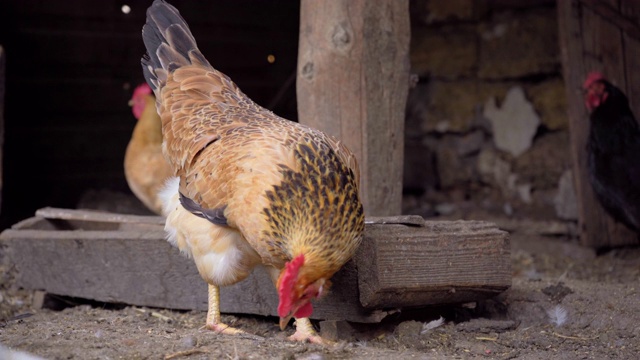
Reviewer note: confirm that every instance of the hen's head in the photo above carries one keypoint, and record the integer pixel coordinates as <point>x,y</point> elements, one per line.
<point>296,289</point>
<point>137,101</point>
<point>595,90</point>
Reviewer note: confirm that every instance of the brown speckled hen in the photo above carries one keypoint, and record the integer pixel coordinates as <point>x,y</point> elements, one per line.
<point>251,188</point>
<point>145,167</point>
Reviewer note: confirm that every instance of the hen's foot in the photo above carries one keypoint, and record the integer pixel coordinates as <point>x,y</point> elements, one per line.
<point>305,332</point>
<point>221,328</point>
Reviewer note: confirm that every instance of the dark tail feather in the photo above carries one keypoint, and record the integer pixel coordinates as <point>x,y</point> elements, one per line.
<point>169,44</point>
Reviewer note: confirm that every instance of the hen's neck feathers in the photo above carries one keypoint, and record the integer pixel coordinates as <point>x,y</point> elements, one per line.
<point>148,129</point>
<point>315,211</point>
<point>612,123</point>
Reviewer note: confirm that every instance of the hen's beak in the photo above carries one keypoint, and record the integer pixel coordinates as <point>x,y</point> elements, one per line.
<point>130,102</point>
<point>284,321</point>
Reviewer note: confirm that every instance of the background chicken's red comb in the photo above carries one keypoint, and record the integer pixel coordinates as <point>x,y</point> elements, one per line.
<point>142,89</point>
<point>286,284</point>
<point>591,78</point>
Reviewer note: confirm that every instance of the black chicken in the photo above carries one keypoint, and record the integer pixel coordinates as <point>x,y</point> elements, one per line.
<point>613,150</point>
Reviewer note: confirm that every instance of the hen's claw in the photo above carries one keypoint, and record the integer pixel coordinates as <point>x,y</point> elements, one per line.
<point>305,332</point>
<point>221,328</point>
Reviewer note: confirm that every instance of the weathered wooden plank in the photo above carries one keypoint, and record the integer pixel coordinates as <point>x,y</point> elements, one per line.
<point>589,43</point>
<point>414,220</point>
<point>609,11</point>
<point>442,262</point>
<point>97,216</point>
<point>70,219</point>
<point>353,79</point>
<point>603,48</point>
<point>631,9</point>
<point>141,268</point>
<point>398,265</point>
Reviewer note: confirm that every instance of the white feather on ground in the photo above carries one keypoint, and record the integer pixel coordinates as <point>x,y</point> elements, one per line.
<point>558,315</point>
<point>432,325</point>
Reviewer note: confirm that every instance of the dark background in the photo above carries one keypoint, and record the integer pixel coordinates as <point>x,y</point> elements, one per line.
<point>71,67</point>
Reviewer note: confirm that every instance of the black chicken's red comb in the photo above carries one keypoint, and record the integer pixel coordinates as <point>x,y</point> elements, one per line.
<point>591,78</point>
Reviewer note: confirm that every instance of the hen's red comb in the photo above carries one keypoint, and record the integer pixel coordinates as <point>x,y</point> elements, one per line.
<point>287,282</point>
<point>591,78</point>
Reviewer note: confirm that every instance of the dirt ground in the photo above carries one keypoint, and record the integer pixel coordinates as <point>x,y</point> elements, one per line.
<point>565,303</point>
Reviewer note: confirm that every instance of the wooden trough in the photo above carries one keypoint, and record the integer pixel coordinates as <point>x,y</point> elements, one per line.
<point>403,262</point>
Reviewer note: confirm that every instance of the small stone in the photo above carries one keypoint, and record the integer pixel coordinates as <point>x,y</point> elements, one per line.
<point>336,330</point>
<point>188,342</point>
<point>408,333</point>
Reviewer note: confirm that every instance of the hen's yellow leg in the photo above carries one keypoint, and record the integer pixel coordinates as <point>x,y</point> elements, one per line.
<point>306,332</point>
<point>214,320</point>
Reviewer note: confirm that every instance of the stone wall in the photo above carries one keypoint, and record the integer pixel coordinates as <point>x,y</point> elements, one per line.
<point>487,126</point>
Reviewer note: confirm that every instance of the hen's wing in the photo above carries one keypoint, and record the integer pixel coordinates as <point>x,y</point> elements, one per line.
<point>614,165</point>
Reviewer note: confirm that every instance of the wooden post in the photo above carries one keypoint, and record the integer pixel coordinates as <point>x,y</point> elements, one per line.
<point>593,41</point>
<point>353,79</point>
<point>2,87</point>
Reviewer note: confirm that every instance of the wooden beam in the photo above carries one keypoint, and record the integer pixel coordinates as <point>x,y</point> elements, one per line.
<point>139,267</point>
<point>353,80</point>
<point>422,263</point>
<point>403,266</point>
<point>589,43</point>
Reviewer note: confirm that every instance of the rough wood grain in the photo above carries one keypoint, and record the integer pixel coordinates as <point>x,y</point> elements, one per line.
<point>353,79</point>
<point>441,262</point>
<point>2,86</point>
<point>631,9</point>
<point>589,42</point>
<point>414,220</point>
<point>397,266</point>
<point>97,216</point>
<point>609,11</point>
<point>69,219</point>
<point>139,267</point>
